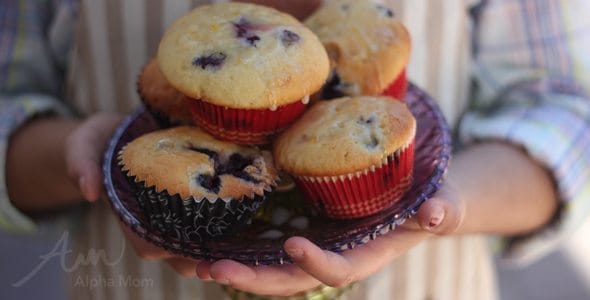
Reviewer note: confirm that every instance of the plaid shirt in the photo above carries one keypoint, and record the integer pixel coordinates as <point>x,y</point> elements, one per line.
<point>531,82</point>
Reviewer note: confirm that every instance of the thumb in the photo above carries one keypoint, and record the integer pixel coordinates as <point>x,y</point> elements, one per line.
<point>84,150</point>
<point>443,213</point>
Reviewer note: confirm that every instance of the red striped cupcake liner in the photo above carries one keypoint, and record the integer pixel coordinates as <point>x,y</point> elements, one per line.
<point>398,88</point>
<point>362,193</point>
<point>244,126</point>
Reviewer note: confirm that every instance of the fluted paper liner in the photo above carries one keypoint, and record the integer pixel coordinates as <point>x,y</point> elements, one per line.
<point>362,193</point>
<point>398,88</point>
<point>244,126</point>
<point>193,219</point>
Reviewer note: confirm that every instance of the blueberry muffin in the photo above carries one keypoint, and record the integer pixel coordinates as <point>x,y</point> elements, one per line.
<point>167,105</point>
<point>248,69</point>
<point>352,156</point>
<point>193,186</point>
<point>368,48</point>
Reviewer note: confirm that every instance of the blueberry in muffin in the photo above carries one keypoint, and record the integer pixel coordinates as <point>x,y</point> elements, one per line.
<point>193,186</point>
<point>247,69</point>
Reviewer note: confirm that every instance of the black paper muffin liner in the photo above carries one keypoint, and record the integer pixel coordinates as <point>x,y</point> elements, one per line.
<point>192,219</point>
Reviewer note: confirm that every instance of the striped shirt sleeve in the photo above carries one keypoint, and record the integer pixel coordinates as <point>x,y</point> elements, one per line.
<point>34,43</point>
<point>532,77</point>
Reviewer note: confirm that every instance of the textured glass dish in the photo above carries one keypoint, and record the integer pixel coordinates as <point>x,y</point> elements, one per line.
<point>286,214</point>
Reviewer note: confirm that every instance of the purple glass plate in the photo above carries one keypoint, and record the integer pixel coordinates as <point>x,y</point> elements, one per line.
<point>288,214</point>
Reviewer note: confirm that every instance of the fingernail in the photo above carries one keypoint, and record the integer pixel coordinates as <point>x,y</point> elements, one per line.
<point>295,253</point>
<point>223,281</point>
<point>433,222</point>
<point>438,215</point>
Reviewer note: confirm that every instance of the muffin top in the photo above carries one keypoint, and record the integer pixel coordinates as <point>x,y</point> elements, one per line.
<point>155,90</point>
<point>189,162</point>
<point>345,135</point>
<point>242,56</point>
<point>368,47</point>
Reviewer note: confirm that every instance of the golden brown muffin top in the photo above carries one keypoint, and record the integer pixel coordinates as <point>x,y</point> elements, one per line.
<point>161,96</point>
<point>368,47</point>
<point>242,56</point>
<point>189,162</point>
<point>345,135</point>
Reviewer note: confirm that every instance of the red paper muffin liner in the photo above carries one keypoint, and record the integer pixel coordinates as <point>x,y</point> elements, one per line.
<point>244,126</point>
<point>362,193</point>
<point>398,88</point>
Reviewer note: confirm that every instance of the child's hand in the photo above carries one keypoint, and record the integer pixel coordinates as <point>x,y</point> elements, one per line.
<point>440,215</point>
<point>84,150</point>
<point>63,155</point>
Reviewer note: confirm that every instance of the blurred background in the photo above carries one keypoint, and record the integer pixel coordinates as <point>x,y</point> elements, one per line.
<point>563,274</point>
